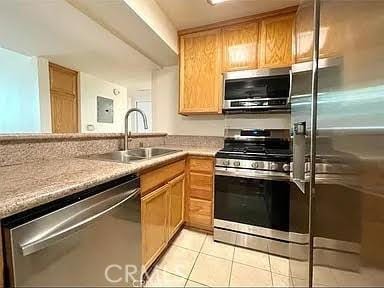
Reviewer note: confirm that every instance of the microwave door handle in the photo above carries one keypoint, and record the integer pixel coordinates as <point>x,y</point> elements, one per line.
<point>86,217</point>
<point>290,87</point>
<point>299,149</point>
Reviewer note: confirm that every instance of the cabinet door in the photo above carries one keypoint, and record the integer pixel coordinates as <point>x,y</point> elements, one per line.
<point>240,46</point>
<point>200,72</point>
<point>176,204</point>
<point>154,216</point>
<point>304,33</point>
<point>276,40</point>
<point>333,18</point>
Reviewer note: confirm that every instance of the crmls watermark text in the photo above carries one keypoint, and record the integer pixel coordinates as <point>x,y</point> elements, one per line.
<point>129,273</point>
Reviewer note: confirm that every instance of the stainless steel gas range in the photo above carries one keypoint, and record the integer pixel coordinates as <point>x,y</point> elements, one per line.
<point>252,190</point>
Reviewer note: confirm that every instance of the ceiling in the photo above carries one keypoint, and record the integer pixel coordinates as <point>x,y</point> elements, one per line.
<point>61,33</point>
<point>193,13</point>
<point>121,20</point>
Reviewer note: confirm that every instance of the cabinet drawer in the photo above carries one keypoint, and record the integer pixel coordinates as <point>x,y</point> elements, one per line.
<point>201,193</point>
<point>200,213</point>
<point>155,178</point>
<point>200,181</point>
<point>201,164</point>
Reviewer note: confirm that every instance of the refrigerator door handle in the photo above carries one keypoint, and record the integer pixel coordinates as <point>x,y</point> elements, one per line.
<point>299,148</point>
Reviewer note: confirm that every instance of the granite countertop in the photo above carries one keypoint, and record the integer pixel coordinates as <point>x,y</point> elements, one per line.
<point>28,185</point>
<point>49,136</point>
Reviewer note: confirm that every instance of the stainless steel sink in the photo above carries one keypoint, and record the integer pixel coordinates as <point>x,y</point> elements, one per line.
<point>149,153</point>
<point>133,155</point>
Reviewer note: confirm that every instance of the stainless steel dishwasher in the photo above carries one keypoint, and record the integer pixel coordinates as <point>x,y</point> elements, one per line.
<point>89,239</point>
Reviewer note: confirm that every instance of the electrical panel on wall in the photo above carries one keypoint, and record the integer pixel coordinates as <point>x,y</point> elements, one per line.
<point>104,110</point>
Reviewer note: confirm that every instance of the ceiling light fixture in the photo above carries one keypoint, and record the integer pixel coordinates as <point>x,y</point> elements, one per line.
<point>214,2</point>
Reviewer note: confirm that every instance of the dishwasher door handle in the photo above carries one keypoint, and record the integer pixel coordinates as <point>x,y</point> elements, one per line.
<point>87,216</point>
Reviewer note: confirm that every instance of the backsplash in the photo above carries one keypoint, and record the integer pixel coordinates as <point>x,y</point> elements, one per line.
<point>195,141</point>
<point>20,149</point>
<point>24,148</point>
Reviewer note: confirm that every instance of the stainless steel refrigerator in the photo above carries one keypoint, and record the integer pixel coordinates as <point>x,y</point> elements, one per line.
<point>337,102</point>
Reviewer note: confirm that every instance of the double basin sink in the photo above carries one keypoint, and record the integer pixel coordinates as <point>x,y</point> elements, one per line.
<point>133,155</point>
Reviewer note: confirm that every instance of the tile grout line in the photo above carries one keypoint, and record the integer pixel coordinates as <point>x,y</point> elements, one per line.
<point>199,252</point>
<point>180,276</point>
<point>270,268</point>
<point>230,273</point>
<point>194,263</point>
<point>267,254</point>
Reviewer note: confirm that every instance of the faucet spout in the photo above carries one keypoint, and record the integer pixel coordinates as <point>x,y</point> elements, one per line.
<point>145,121</point>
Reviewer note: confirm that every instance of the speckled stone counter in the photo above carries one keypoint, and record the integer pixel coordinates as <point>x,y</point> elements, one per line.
<point>31,184</point>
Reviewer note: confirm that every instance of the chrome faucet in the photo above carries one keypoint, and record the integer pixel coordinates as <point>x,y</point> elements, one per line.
<point>128,135</point>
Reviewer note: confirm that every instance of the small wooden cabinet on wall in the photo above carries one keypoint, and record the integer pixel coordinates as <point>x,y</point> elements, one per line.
<point>265,41</point>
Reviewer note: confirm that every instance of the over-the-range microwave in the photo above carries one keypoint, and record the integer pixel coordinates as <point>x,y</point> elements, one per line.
<point>257,91</point>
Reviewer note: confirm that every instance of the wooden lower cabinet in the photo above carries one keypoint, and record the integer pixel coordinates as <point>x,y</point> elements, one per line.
<point>176,205</point>
<point>162,208</point>
<point>200,187</point>
<point>188,196</point>
<point>154,219</point>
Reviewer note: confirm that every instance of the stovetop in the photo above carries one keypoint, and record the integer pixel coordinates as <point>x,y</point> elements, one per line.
<point>255,149</point>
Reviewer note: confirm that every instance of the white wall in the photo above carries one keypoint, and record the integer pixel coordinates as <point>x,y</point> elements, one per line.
<point>165,91</point>
<point>44,95</point>
<point>90,88</point>
<point>153,15</point>
<point>19,93</point>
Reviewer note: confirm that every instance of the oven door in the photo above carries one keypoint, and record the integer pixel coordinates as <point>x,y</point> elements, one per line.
<point>254,198</point>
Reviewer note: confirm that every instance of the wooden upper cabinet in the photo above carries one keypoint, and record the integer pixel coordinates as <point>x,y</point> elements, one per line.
<point>200,72</point>
<point>304,33</point>
<point>276,41</point>
<point>240,46</point>
<point>332,35</point>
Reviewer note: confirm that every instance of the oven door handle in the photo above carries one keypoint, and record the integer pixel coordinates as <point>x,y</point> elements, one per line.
<point>251,174</point>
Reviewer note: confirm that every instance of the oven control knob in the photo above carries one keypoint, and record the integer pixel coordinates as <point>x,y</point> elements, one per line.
<point>255,165</point>
<point>274,166</point>
<point>226,162</point>
<point>286,167</point>
<point>236,163</point>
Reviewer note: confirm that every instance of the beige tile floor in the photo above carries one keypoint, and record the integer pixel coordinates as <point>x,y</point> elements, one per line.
<point>195,260</point>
